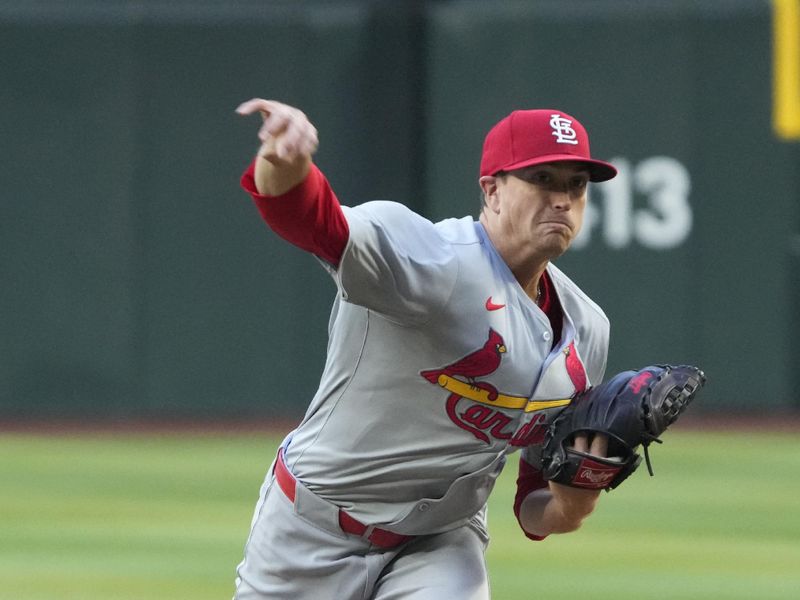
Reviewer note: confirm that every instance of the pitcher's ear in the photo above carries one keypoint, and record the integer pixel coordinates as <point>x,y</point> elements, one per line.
<point>488,185</point>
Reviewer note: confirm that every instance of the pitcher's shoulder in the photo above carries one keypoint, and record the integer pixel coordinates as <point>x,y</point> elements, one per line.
<point>458,231</point>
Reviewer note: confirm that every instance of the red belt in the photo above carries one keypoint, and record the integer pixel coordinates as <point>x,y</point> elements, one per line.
<point>376,536</point>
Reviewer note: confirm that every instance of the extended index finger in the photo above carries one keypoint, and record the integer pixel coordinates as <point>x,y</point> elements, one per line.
<point>256,105</point>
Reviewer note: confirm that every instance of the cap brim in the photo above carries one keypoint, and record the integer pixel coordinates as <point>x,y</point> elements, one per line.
<point>598,170</point>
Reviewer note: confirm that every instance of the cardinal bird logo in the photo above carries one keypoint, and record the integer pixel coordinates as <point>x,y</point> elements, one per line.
<point>479,408</point>
<point>480,363</point>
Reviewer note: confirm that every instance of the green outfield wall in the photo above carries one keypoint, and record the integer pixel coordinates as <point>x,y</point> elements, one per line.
<point>138,280</point>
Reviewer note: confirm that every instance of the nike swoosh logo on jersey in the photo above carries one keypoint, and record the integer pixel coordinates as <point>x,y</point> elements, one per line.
<point>492,306</point>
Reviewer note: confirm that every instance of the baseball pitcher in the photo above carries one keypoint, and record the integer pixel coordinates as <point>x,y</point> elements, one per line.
<point>451,345</point>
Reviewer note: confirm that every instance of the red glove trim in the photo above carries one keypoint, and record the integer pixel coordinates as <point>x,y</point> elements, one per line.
<point>595,475</point>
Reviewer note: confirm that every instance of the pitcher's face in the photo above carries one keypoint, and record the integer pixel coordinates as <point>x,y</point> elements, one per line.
<point>538,208</point>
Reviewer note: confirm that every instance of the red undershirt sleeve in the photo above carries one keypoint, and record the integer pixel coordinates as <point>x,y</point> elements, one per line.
<point>308,216</point>
<point>528,480</point>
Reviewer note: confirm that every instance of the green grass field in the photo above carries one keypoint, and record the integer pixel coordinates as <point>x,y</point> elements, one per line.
<point>137,516</point>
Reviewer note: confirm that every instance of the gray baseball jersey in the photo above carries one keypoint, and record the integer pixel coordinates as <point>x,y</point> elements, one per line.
<point>399,434</point>
<point>439,365</point>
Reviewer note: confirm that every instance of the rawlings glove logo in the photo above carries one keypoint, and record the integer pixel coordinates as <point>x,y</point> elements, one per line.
<point>592,474</point>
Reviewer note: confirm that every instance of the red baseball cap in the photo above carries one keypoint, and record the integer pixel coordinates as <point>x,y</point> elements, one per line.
<point>532,137</point>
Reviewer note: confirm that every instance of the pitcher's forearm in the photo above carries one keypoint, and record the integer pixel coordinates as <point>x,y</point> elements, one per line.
<point>544,512</point>
<point>277,178</point>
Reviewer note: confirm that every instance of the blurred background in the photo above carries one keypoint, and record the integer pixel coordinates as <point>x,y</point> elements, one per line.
<point>140,292</point>
<point>138,282</point>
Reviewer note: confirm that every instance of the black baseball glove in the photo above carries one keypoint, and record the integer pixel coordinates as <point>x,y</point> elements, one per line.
<point>632,409</point>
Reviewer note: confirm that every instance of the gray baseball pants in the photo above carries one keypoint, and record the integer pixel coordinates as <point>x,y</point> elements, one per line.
<point>297,551</point>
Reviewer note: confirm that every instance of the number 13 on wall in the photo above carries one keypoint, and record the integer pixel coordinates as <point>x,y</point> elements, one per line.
<point>662,223</point>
